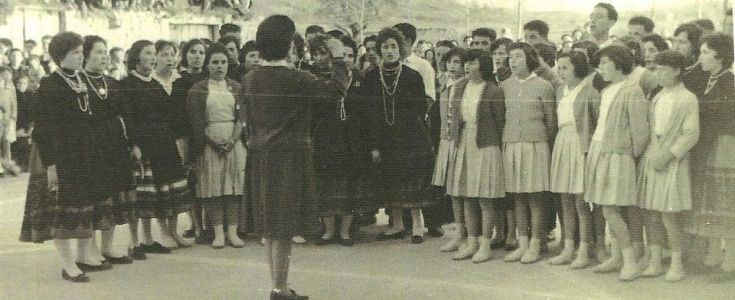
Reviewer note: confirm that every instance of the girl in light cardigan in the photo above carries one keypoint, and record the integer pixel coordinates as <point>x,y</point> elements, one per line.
<point>577,110</point>
<point>665,185</point>
<point>620,138</point>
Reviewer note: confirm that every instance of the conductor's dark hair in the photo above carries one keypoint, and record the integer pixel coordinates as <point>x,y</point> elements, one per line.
<point>62,43</point>
<point>134,53</point>
<point>274,37</point>
<point>539,26</point>
<point>620,56</point>
<point>485,60</point>
<point>646,22</point>
<point>530,53</point>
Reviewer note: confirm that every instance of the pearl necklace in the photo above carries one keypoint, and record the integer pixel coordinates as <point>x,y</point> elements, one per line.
<point>390,92</point>
<point>101,92</point>
<point>713,81</point>
<point>79,87</point>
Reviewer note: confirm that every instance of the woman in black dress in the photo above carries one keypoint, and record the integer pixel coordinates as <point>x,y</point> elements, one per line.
<point>103,90</point>
<point>68,143</point>
<point>399,135</point>
<point>149,116</point>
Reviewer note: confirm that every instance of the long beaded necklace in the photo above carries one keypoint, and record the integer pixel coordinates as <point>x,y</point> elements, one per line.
<point>79,87</point>
<point>713,81</point>
<point>102,91</point>
<point>390,92</point>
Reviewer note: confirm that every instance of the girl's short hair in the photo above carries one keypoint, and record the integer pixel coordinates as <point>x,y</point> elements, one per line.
<point>134,53</point>
<point>579,61</point>
<point>390,33</point>
<point>185,49</point>
<point>500,42</point>
<point>63,43</point>
<point>620,56</point>
<point>671,58</point>
<point>212,50</point>
<point>530,53</point>
<point>163,44</point>
<point>592,49</point>
<point>722,44</point>
<point>485,60</point>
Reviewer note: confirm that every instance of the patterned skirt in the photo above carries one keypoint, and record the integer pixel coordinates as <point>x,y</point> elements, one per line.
<point>477,172</point>
<point>567,163</point>
<point>611,178</point>
<point>526,167</point>
<point>713,215</point>
<point>160,201</point>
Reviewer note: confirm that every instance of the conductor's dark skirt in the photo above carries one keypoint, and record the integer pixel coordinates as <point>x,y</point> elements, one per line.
<point>282,185</point>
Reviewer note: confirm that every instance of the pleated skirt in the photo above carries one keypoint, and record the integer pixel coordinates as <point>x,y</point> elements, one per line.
<point>611,178</point>
<point>526,167</point>
<point>567,163</point>
<point>221,174</point>
<point>664,191</point>
<point>477,172</point>
<point>444,157</point>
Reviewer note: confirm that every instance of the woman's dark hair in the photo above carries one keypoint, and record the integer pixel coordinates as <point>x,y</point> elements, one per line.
<point>163,44</point>
<point>592,52</point>
<point>185,49</point>
<point>62,43</point>
<point>390,33</point>
<point>500,42</point>
<point>248,47</point>
<point>89,42</point>
<point>671,58</point>
<point>635,46</point>
<point>580,63</point>
<point>620,56</point>
<point>212,50</point>
<point>319,43</point>
<point>530,53</point>
<point>274,36</point>
<point>657,41</point>
<point>456,51</point>
<point>723,45</point>
<point>485,60</point>
<point>694,34</point>
<point>134,53</point>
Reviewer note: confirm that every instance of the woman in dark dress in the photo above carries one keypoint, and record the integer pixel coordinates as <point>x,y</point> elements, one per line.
<point>103,90</point>
<point>279,108</point>
<point>192,58</point>
<point>149,116</point>
<point>399,135</point>
<point>68,142</point>
<point>341,158</point>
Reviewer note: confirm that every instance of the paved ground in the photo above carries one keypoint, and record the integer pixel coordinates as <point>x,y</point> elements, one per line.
<point>369,270</point>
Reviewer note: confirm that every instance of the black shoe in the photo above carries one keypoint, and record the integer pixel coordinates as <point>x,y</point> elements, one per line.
<point>190,234</point>
<point>79,278</point>
<point>348,242</point>
<point>436,232</point>
<point>125,260</point>
<point>511,247</point>
<point>416,239</point>
<point>155,248</point>
<point>322,241</point>
<point>396,236</point>
<point>104,266</point>
<point>294,296</point>
<point>137,253</point>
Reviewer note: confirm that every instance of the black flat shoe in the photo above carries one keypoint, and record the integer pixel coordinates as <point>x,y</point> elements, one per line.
<point>396,236</point>
<point>417,239</point>
<point>190,234</point>
<point>294,296</point>
<point>81,278</point>
<point>322,241</point>
<point>155,248</point>
<point>104,266</point>
<point>137,253</point>
<point>125,260</point>
<point>348,242</point>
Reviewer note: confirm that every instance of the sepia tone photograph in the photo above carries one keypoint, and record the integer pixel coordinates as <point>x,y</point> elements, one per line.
<point>367,149</point>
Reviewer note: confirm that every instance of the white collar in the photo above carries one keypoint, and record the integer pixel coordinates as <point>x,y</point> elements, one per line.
<point>276,63</point>
<point>533,75</point>
<point>141,77</point>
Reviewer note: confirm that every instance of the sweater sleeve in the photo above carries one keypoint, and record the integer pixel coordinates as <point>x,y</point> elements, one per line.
<point>638,118</point>
<point>498,102</point>
<point>690,128</point>
<point>549,106</point>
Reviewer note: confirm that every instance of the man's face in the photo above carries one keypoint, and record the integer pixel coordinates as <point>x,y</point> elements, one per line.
<point>232,51</point>
<point>600,22</point>
<point>481,42</point>
<point>637,31</point>
<point>532,37</point>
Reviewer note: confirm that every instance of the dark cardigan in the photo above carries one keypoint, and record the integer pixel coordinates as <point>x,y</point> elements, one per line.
<point>196,110</point>
<point>490,114</point>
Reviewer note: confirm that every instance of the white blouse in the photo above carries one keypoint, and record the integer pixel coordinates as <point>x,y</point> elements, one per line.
<point>565,110</point>
<point>470,99</point>
<point>608,96</point>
